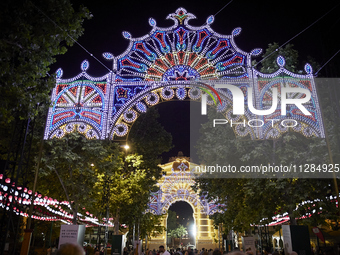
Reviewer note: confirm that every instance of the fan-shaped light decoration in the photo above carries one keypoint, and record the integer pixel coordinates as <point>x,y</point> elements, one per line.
<point>164,65</point>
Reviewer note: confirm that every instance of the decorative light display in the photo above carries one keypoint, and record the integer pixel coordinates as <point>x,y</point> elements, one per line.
<point>166,64</point>
<point>152,99</point>
<point>312,205</point>
<point>167,93</point>
<point>130,116</point>
<point>79,104</point>
<point>178,187</point>
<point>181,93</point>
<point>18,199</point>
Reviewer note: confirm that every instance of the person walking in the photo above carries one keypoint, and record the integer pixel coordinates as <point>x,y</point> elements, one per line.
<point>162,251</point>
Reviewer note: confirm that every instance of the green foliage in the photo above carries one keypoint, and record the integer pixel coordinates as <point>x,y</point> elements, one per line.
<point>149,138</point>
<point>181,231</point>
<point>150,225</point>
<point>74,162</point>
<point>29,42</point>
<point>248,201</point>
<point>124,187</point>
<point>99,176</point>
<point>172,220</point>
<point>269,64</point>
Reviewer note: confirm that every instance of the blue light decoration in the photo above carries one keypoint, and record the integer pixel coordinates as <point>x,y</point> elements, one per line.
<point>181,93</point>
<point>152,22</point>
<point>165,65</point>
<point>308,69</point>
<point>256,52</point>
<point>281,61</point>
<point>210,19</point>
<point>85,65</point>
<point>236,31</point>
<point>141,107</point>
<point>108,55</point>
<point>127,35</point>
<point>59,73</point>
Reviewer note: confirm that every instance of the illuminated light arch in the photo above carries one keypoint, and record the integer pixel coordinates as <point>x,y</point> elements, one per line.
<point>168,64</point>
<point>176,185</point>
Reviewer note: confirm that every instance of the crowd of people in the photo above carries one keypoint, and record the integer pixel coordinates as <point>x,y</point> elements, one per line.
<point>75,249</point>
<point>183,251</point>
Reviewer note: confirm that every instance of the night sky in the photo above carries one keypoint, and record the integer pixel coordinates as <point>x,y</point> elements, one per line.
<point>262,22</point>
<point>187,212</point>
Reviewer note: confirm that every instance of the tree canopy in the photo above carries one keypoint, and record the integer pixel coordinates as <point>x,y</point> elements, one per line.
<point>171,221</point>
<point>32,34</point>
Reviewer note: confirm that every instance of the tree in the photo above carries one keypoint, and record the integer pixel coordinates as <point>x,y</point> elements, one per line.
<point>127,189</point>
<point>248,201</point>
<point>150,225</point>
<point>149,139</point>
<point>171,221</point>
<point>32,34</point>
<point>73,162</point>
<point>269,64</point>
<point>116,182</point>
<point>181,231</point>
<point>172,234</point>
<point>171,225</point>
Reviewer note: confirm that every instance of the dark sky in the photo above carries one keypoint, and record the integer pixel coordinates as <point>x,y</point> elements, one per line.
<point>184,211</point>
<point>262,22</point>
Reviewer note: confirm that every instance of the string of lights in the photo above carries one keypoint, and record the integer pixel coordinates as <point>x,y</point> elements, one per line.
<point>317,72</point>
<point>45,208</point>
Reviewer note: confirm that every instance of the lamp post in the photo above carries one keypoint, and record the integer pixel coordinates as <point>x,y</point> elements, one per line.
<point>116,222</point>
<point>134,236</point>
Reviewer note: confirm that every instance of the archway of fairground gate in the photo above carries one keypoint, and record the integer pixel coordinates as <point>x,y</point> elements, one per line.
<point>184,216</point>
<point>181,62</point>
<point>176,185</point>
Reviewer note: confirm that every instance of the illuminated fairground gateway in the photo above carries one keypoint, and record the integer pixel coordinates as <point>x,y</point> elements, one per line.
<point>177,63</point>
<point>180,62</point>
<point>175,185</point>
